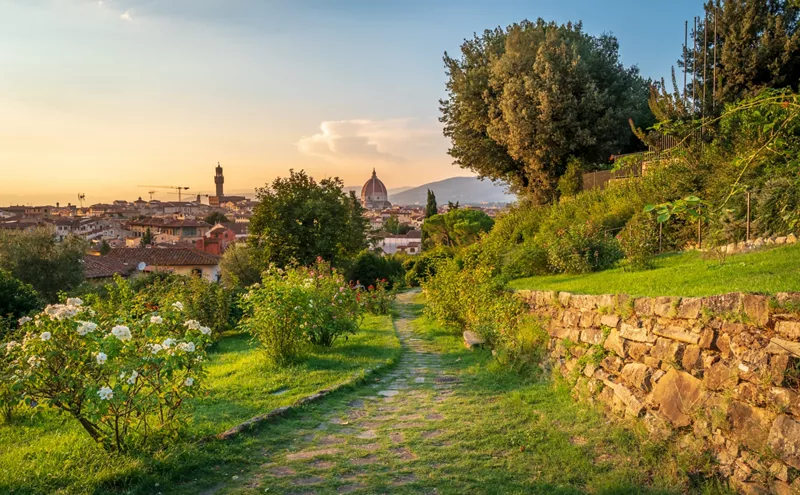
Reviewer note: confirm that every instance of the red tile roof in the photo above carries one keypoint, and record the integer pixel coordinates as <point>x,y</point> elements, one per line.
<point>103,267</point>
<point>170,256</point>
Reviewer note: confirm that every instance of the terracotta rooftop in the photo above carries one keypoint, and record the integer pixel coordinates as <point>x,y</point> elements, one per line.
<point>103,267</point>
<point>170,256</point>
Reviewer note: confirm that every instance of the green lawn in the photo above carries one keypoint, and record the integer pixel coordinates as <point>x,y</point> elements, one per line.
<point>48,453</point>
<point>687,274</point>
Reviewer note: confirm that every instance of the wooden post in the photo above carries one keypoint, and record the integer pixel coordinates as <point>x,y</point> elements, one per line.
<point>660,229</point>
<point>748,216</point>
<point>685,56</point>
<point>699,233</point>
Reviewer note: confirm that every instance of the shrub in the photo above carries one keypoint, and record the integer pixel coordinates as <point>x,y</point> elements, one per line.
<point>17,299</point>
<point>525,260</point>
<point>421,267</point>
<point>582,248</point>
<point>241,265</point>
<point>378,298</point>
<point>123,378</point>
<point>639,241</point>
<point>571,183</point>
<point>370,267</point>
<point>776,206</point>
<point>298,306</point>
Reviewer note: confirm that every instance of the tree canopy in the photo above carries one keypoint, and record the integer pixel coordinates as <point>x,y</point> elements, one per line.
<point>298,219</point>
<point>431,208</point>
<point>215,218</point>
<point>457,227</point>
<point>522,101</point>
<point>37,258</point>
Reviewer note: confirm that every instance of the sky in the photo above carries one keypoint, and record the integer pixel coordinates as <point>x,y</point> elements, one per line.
<point>99,97</point>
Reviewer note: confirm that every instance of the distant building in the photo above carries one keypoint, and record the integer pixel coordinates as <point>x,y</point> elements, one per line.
<point>178,260</point>
<point>220,199</point>
<point>216,240</point>
<point>409,243</point>
<point>219,180</point>
<point>374,195</point>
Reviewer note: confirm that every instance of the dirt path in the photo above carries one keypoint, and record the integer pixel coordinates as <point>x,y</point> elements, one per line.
<point>368,445</point>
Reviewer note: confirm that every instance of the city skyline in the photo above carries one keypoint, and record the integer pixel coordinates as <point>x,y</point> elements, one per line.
<point>99,97</point>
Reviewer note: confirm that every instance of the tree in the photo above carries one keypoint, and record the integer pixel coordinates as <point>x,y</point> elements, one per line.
<point>241,265</point>
<point>37,258</point>
<point>215,218</point>
<point>17,299</point>
<point>522,101</point>
<point>452,206</point>
<point>757,47</point>
<point>392,225</point>
<point>431,208</point>
<point>299,219</point>
<point>147,238</point>
<point>457,227</point>
<point>105,248</point>
<point>571,182</point>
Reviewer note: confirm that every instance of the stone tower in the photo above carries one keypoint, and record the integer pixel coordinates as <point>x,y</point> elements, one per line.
<point>219,179</point>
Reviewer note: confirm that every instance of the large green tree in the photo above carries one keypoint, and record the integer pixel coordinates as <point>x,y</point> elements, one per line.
<point>37,258</point>
<point>431,208</point>
<point>298,219</point>
<point>457,227</point>
<point>522,101</point>
<point>17,299</point>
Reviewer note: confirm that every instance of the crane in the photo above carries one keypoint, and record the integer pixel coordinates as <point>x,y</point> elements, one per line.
<point>81,197</point>
<point>151,193</point>
<point>177,188</point>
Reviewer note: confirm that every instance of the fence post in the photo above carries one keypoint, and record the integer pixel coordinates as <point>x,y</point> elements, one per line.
<point>699,233</point>
<point>748,216</point>
<point>660,228</point>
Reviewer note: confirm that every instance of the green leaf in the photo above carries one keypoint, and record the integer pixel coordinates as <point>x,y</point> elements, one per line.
<point>662,218</point>
<point>649,208</point>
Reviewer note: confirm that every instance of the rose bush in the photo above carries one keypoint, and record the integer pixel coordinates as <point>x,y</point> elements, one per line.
<point>378,298</point>
<point>124,379</point>
<point>291,308</point>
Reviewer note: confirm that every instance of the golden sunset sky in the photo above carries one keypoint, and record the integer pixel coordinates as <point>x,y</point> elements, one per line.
<point>97,97</point>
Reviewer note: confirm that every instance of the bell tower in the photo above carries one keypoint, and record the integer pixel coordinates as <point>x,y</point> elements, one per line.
<point>219,180</point>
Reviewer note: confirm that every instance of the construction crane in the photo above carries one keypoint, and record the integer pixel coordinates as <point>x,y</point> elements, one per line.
<point>177,188</point>
<point>81,197</point>
<point>151,193</point>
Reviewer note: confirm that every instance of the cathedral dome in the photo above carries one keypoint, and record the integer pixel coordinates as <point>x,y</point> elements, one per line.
<point>374,193</point>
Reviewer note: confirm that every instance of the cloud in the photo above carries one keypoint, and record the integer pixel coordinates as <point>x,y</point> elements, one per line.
<point>126,15</point>
<point>389,141</point>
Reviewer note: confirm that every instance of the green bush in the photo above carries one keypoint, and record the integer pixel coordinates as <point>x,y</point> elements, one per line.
<point>639,241</point>
<point>421,267</point>
<point>776,206</point>
<point>292,308</point>
<point>582,248</point>
<point>370,267</point>
<point>378,298</point>
<point>17,299</point>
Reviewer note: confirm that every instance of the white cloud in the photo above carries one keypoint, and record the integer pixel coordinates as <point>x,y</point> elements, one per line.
<point>373,141</point>
<point>126,15</point>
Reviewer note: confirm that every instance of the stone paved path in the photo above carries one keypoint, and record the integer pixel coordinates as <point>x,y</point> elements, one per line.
<point>366,446</point>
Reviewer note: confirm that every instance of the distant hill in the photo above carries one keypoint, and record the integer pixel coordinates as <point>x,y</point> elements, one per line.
<point>465,190</point>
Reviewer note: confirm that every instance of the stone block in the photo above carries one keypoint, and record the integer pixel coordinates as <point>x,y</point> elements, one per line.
<point>643,306</point>
<point>780,240</point>
<point>572,318</point>
<point>664,306</point>
<point>691,358</point>
<point>592,336</point>
<point>750,425</point>
<point>611,363</point>
<point>787,298</point>
<point>689,308</point>
<point>781,346</point>
<point>723,345</point>
<point>777,367</point>
<point>632,405</point>
<point>667,350</point>
<point>587,319</point>
<point>610,321</point>
<point>788,329</point>
<point>783,398</point>
<point>637,350</point>
<point>564,298</point>
<point>637,375</point>
<point>605,301</point>
<point>724,303</point>
<point>706,338</point>
<point>784,440</point>
<point>583,302</point>
<point>615,344</point>
<point>756,308</point>
<point>652,362</point>
<point>748,392</point>
<point>791,239</point>
<point>720,376</point>
<point>677,395</point>
<point>637,334</point>
<point>676,333</point>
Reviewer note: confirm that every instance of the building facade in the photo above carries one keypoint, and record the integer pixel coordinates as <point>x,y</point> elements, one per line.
<point>374,195</point>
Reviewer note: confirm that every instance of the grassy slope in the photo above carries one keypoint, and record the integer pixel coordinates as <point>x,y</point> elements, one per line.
<point>687,274</point>
<point>48,452</point>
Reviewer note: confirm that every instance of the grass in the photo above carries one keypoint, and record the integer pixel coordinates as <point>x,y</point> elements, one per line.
<point>47,453</point>
<point>495,431</point>
<point>689,274</point>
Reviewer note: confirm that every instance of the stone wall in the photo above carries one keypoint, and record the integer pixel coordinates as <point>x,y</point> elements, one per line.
<point>721,371</point>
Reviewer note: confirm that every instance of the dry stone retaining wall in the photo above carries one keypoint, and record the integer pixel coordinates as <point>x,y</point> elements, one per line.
<point>723,371</point>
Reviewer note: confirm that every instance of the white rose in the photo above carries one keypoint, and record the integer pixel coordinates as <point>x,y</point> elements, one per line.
<point>45,336</point>
<point>205,330</point>
<point>154,348</point>
<point>178,305</point>
<point>189,382</point>
<point>105,393</point>
<point>186,346</point>
<point>24,320</point>
<point>168,343</point>
<point>132,379</point>
<point>74,301</point>
<point>101,358</point>
<point>156,320</point>
<point>122,332</point>
<point>192,324</point>
<point>86,327</point>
